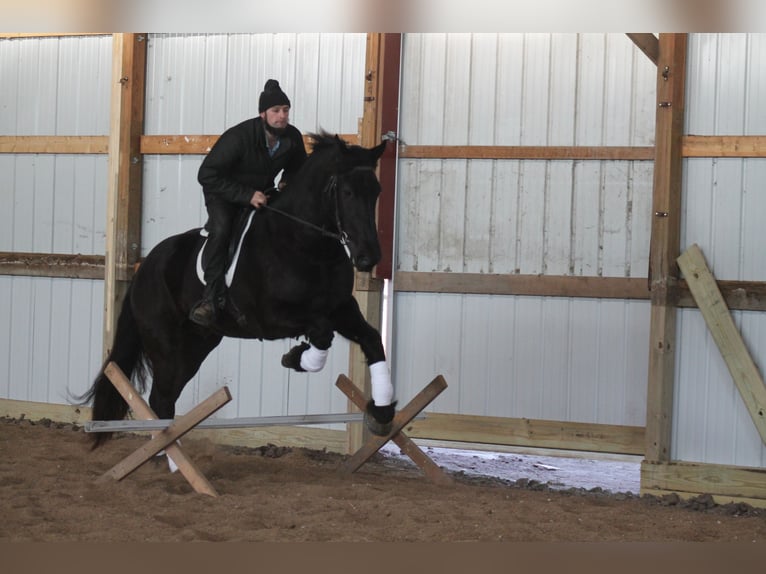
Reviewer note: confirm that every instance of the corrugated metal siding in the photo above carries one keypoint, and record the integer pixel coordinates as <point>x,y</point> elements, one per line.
<point>50,329</point>
<point>559,359</point>
<point>723,208</point>
<point>51,334</point>
<point>555,359</point>
<point>203,84</point>
<point>551,217</point>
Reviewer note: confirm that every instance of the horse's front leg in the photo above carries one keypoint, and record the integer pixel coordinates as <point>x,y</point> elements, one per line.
<point>312,356</point>
<point>349,322</point>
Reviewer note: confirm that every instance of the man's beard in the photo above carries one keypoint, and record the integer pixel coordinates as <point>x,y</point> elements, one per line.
<point>274,131</point>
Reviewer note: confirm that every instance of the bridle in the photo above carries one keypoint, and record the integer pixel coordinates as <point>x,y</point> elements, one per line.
<point>330,189</point>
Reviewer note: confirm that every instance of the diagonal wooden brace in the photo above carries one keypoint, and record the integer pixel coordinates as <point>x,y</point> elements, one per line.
<point>401,419</point>
<point>165,439</point>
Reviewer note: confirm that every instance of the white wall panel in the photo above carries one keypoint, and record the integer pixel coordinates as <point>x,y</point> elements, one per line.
<point>51,329</point>
<point>556,359</point>
<point>555,217</point>
<point>50,340</point>
<point>723,205</point>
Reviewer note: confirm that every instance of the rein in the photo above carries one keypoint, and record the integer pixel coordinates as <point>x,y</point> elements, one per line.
<point>342,236</point>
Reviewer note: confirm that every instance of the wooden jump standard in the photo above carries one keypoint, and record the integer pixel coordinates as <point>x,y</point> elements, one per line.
<point>171,431</point>
<point>401,419</point>
<point>165,439</point>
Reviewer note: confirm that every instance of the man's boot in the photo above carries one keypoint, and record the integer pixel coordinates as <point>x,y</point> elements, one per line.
<point>205,311</point>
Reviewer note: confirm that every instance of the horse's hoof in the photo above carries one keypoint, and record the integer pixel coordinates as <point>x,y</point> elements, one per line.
<point>379,420</point>
<point>292,359</point>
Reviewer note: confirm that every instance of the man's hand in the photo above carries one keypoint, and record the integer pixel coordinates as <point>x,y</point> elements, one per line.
<point>258,200</point>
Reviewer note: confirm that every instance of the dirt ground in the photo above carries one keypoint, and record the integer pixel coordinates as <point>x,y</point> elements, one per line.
<point>48,494</point>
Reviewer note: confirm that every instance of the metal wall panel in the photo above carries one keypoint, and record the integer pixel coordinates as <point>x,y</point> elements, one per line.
<point>548,358</point>
<point>531,217</point>
<point>723,203</point>
<point>50,329</point>
<point>51,334</point>
<point>556,359</point>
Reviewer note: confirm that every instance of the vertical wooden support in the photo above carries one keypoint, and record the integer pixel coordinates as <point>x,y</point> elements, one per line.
<point>123,221</point>
<point>665,243</point>
<point>381,105</point>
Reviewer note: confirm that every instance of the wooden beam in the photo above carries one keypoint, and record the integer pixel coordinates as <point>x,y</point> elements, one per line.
<point>739,295</point>
<point>405,444</point>
<point>724,483</point>
<point>52,265</point>
<point>201,144</point>
<point>56,35</point>
<point>167,438</point>
<point>665,244</point>
<point>530,433</point>
<point>386,122</point>
<point>692,146</point>
<point>538,285</point>
<point>724,146</point>
<point>54,144</point>
<point>648,44</point>
<point>743,371</point>
<point>626,153</point>
<point>402,418</point>
<point>123,225</point>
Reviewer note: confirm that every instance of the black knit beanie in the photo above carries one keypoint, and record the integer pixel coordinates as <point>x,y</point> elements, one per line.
<point>272,95</point>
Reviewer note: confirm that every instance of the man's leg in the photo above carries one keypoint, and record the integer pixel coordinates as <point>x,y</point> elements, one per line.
<point>220,219</point>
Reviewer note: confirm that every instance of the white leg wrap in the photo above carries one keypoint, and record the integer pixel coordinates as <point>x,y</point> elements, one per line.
<point>382,389</point>
<point>313,360</point>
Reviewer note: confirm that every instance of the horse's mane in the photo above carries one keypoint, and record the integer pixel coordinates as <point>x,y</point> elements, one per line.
<point>322,140</point>
<point>327,150</point>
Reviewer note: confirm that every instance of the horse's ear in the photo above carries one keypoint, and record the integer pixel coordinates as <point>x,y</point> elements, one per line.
<point>378,150</point>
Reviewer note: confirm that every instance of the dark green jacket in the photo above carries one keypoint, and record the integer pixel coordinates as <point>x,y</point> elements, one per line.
<point>239,163</point>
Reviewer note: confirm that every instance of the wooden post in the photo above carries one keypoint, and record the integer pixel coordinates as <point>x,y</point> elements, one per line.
<point>380,116</point>
<point>123,221</point>
<point>665,243</point>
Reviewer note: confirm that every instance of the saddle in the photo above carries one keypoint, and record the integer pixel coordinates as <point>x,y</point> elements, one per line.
<point>241,226</point>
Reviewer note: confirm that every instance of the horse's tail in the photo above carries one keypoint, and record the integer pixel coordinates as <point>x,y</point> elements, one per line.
<point>127,353</point>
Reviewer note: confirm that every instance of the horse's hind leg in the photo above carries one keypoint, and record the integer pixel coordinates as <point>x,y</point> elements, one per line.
<point>174,368</point>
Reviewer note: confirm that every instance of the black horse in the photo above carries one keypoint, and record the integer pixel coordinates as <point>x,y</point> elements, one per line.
<point>294,279</point>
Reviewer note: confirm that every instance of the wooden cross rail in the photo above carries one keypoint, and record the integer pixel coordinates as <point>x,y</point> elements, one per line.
<point>401,419</point>
<point>165,439</point>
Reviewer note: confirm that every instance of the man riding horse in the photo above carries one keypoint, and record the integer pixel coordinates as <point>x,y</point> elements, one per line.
<point>237,172</point>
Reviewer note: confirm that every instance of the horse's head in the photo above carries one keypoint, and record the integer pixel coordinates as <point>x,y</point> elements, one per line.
<point>354,189</point>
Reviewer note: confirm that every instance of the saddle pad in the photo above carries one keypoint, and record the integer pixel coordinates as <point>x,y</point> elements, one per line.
<point>233,265</point>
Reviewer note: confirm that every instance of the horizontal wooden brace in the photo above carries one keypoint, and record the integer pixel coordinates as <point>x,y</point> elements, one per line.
<point>55,144</point>
<point>590,437</point>
<point>739,295</point>
<point>72,266</point>
<point>723,146</point>
<point>526,152</point>
<point>512,284</point>
<point>724,483</point>
<point>692,146</point>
